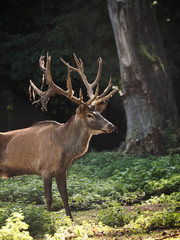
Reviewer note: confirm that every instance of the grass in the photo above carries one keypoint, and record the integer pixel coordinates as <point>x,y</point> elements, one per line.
<point>124,192</point>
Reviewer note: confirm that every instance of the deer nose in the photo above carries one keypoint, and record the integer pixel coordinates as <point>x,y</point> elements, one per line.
<point>111,127</point>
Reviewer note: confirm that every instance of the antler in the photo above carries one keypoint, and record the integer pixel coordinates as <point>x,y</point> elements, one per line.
<point>94,98</point>
<point>44,96</point>
<point>52,87</point>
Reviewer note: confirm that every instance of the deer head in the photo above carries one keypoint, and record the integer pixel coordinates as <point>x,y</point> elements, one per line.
<point>89,112</point>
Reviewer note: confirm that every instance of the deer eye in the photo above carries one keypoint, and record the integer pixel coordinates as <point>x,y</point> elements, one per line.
<point>90,115</point>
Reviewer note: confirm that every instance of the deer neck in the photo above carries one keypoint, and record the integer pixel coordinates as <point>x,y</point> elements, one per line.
<point>77,137</point>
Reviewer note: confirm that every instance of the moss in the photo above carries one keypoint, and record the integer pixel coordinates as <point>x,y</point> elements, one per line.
<point>152,58</point>
<point>145,54</point>
<point>158,60</point>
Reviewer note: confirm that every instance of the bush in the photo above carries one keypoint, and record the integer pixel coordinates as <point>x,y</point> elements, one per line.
<point>115,215</point>
<point>95,181</point>
<point>83,231</point>
<point>160,219</point>
<point>36,216</point>
<point>163,185</point>
<point>173,199</point>
<point>27,189</point>
<point>15,228</point>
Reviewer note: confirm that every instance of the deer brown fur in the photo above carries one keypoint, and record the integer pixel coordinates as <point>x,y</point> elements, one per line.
<point>48,148</point>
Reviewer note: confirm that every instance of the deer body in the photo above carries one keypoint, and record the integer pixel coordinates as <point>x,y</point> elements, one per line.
<point>22,156</point>
<point>52,148</point>
<point>48,148</point>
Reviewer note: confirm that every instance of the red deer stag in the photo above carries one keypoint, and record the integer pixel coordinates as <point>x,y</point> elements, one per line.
<point>48,148</point>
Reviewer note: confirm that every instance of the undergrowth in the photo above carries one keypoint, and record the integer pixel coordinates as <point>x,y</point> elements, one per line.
<point>109,182</point>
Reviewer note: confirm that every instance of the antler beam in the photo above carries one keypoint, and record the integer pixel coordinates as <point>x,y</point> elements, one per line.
<point>44,96</point>
<point>52,87</point>
<point>94,98</point>
<point>80,70</point>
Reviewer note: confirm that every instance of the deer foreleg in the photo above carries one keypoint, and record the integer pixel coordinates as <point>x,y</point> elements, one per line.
<point>47,180</point>
<point>61,183</point>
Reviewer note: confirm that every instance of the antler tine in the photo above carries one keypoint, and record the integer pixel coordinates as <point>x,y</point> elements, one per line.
<point>98,73</point>
<point>106,90</point>
<point>46,70</point>
<point>91,86</point>
<point>82,65</point>
<point>105,98</point>
<point>91,100</point>
<point>39,92</point>
<point>44,96</point>
<point>80,70</point>
<point>67,65</point>
<point>69,85</point>
<point>42,63</point>
<point>80,95</point>
<point>94,98</point>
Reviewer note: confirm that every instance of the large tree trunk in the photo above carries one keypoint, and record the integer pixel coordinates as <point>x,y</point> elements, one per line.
<point>147,91</point>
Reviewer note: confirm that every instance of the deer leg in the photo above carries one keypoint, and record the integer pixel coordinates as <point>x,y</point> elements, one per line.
<point>61,183</point>
<point>47,180</point>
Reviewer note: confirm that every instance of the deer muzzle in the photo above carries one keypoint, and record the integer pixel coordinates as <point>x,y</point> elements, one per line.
<point>109,128</point>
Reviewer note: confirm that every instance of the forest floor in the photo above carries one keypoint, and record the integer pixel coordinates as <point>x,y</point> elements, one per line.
<point>112,197</point>
<point>124,234</point>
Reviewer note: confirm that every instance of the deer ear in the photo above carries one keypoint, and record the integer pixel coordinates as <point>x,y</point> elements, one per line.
<point>101,107</point>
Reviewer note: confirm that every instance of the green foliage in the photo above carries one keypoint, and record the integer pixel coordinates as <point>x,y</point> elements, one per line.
<point>39,220</point>
<point>163,185</point>
<point>15,228</point>
<point>83,231</point>
<point>173,199</point>
<point>115,215</point>
<point>25,190</point>
<point>160,219</point>
<point>125,173</point>
<point>103,181</point>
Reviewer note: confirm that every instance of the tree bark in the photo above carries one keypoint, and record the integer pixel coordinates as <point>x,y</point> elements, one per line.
<point>147,90</point>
